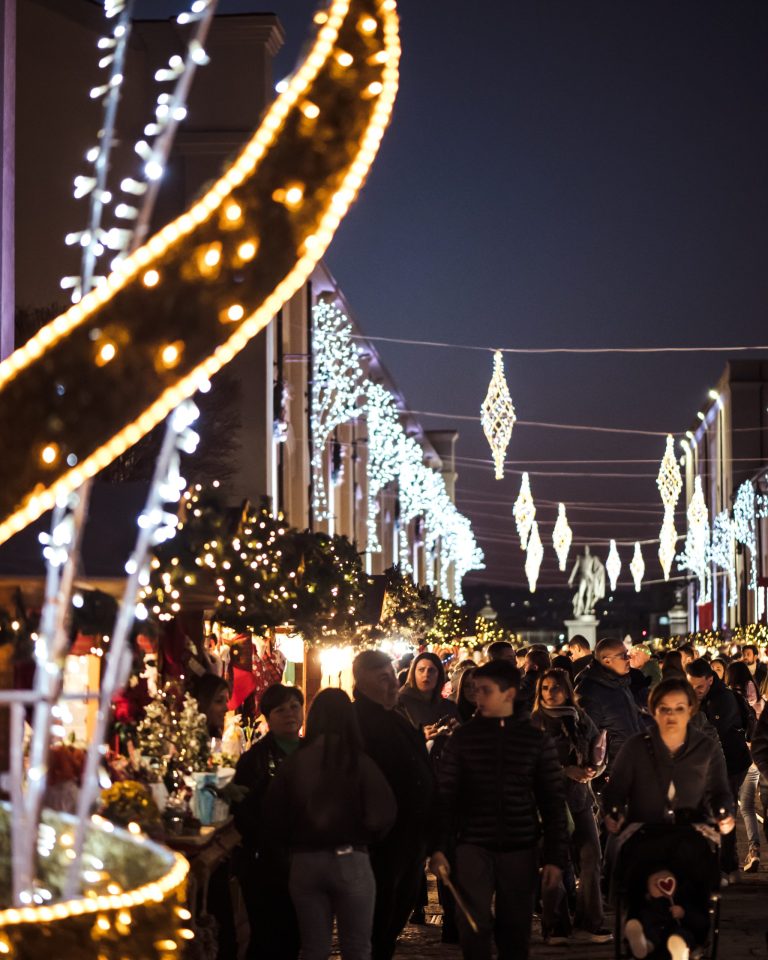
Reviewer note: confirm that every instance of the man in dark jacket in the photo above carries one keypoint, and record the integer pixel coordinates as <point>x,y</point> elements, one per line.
<point>500,786</point>
<point>401,754</point>
<point>605,693</point>
<point>581,653</point>
<point>759,671</point>
<point>721,708</point>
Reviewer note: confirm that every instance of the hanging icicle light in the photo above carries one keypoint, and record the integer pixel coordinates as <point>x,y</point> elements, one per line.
<point>562,537</point>
<point>667,543</point>
<point>498,415</point>
<point>696,554</point>
<point>533,557</point>
<point>637,567</point>
<point>524,511</point>
<point>613,565</point>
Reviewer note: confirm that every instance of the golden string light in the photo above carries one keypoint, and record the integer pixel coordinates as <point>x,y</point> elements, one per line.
<point>498,415</point>
<point>524,511</point>
<point>277,206</point>
<point>562,537</point>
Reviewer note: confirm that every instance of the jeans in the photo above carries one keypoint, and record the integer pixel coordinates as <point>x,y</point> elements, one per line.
<point>512,876</point>
<point>729,858</point>
<point>748,805</point>
<point>585,846</point>
<point>324,884</point>
<point>398,868</point>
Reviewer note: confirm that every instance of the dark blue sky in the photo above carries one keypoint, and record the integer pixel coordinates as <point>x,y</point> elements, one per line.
<point>563,173</point>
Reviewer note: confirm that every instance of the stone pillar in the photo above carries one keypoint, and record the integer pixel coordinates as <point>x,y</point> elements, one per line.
<point>583,627</point>
<point>8,177</point>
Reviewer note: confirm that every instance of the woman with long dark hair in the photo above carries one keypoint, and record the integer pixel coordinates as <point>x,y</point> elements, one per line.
<point>741,682</point>
<point>576,737</point>
<point>466,700</point>
<point>329,801</point>
<point>421,699</point>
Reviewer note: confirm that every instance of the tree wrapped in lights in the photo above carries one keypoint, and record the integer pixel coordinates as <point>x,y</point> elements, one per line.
<point>384,433</point>
<point>524,511</point>
<point>172,735</point>
<point>498,415</point>
<point>534,554</point>
<point>637,567</point>
<point>695,556</point>
<point>450,623</point>
<point>613,565</point>
<point>670,484</point>
<point>562,537</point>
<point>724,551</point>
<point>337,382</point>
<point>408,611</point>
<point>744,526</point>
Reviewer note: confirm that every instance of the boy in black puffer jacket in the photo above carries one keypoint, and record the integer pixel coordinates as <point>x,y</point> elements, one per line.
<point>500,789</point>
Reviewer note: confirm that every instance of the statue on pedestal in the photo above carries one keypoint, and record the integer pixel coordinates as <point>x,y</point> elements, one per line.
<point>591,587</point>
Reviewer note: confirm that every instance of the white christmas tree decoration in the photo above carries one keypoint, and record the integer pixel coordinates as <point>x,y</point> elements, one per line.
<point>562,537</point>
<point>637,567</point>
<point>524,511</point>
<point>613,565</point>
<point>533,557</point>
<point>667,543</point>
<point>724,551</point>
<point>498,415</point>
<point>744,526</point>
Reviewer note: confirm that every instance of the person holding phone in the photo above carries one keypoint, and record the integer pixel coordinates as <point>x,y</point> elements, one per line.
<point>421,699</point>
<point>578,741</point>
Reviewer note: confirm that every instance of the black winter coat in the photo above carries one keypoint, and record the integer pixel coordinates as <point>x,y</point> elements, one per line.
<point>499,786</point>
<point>607,698</point>
<point>400,752</point>
<point>721,708</point>
<point>255,770</point>
<point>640,780</point>
<point>760,744</point>
<point>574,739</point>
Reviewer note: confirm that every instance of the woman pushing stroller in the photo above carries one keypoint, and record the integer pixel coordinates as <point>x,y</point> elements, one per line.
<point>672,775</point>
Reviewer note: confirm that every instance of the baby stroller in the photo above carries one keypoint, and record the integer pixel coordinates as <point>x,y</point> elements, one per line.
<point>690,851</point>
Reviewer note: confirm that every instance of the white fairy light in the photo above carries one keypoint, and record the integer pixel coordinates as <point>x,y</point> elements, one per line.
<point>695,556</point>
<point>613,565</point>
<point>384,432</point>
<point>534,554</point>
<point>498,415</point>
<point>744,526</point>
<point>667,543</point>
<point>637,567</point>
<point>524,511</point>
<point>669,480</point>
<point>562,537</point>
<point>724,551</point>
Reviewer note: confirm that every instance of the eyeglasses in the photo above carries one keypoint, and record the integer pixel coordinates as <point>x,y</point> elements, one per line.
<point>620,656</point>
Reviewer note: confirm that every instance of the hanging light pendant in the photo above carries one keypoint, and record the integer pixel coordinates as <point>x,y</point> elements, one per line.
<point>524,511</point>
<point>562,537</point>
<point>498,415</point>
<point>637,567</point>
<point>533,557</point>
<point>667,543</point>
<point>613,565</point>
<point>669,480</point>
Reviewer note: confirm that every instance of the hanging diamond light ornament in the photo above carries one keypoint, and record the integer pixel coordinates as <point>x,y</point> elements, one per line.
<point>669,480</point>
<point>533,557</point>
<point>613,565</point>
<point>562,537</point>
<point>524,511</point>
<point>498,415</point>
<point>667,543</point>
<point>637,567</point>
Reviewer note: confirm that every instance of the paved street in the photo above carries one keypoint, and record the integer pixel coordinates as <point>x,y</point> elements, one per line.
<point>743,930</point>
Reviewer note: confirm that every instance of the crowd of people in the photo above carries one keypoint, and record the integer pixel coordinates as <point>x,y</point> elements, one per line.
<point>515,781</point>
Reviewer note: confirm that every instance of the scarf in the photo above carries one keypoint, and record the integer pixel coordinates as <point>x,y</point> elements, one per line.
<point>560,713</point>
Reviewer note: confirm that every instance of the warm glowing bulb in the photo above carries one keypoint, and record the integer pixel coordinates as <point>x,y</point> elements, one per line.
<point>344,59</point>
<point>293,196</point>
<point>151,278</point>
<point>106,353</point>
<point>233,212</point>
<point>367,26</point>
<point>235,313</point>
<point>246,251</point>
<point>311,111</point>
<point>169,355</point>
<point>373,89</point>
<point>212,257</point>
<point>50,453</point>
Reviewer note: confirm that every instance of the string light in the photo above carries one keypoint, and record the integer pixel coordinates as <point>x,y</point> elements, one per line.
<point>744,526</point>
<point>695,554</point>
<point>534,554</point>
<point>384,432</point>
<point>667,543</point>
<point>637,567</point>
<point>669,480</point>
<point>562,537</point>
<point>524,511</point>
<point>723,551</point>
<point>613,565</point>
<point>498,415</point>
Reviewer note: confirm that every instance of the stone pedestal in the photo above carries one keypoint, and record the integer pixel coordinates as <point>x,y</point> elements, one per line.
<point>585,627</point>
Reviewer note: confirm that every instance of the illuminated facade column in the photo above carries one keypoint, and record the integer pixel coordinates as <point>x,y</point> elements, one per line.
<point>8,178</point>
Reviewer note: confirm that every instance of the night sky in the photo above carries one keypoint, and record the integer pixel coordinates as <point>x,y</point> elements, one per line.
<point>563,173</point>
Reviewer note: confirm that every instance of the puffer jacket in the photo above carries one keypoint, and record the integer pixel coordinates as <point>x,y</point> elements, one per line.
<point>721,708</point>
<point>500,786</point>
<point>607,698</point>
<point>640,781</point>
